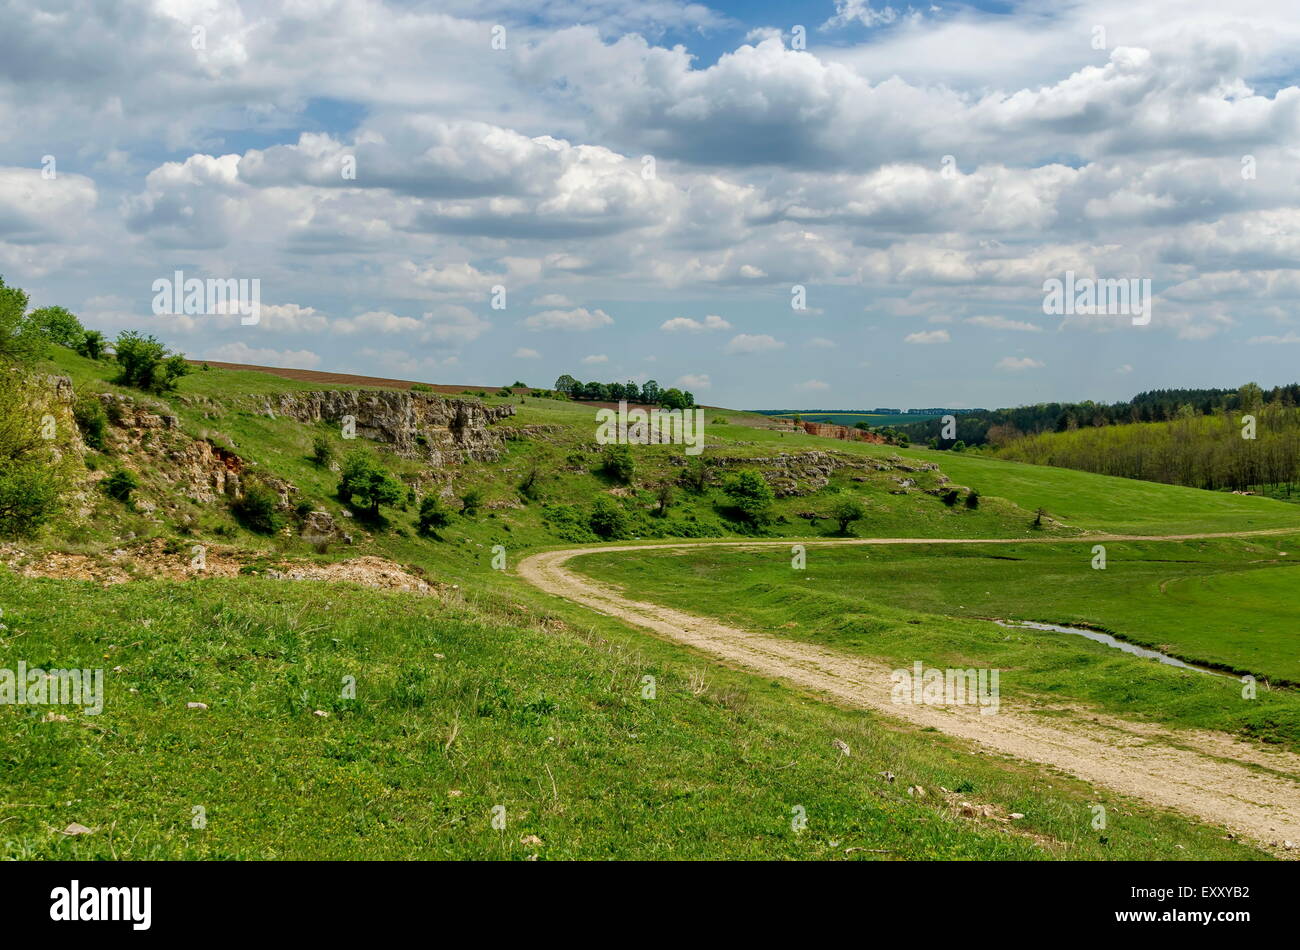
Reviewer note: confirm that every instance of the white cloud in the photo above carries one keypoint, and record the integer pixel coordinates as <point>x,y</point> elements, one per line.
<point>753,343</point>
<point>928,336</point>
<point>524,353</point>
<point>693,381</point>
<point>1002,323</point>
<point>595,358</point>
<point>580,318</point>
<point>812,385</point>
<point>711,322</point>
<point>1014,364</point>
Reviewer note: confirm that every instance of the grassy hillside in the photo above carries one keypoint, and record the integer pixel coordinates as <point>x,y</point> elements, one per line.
<point>464,706</point>
<point>491,690</point>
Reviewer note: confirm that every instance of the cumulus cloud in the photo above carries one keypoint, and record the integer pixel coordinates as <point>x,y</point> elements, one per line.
<point>579,318</point>
<point>745,343</point>
<point>524,353</point>
<point>240,352</point>
<point>711,322</point>
<point>927,337</point>
<point>693,381</point>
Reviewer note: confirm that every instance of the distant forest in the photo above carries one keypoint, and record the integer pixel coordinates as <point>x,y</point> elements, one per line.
<point>1001,427</point>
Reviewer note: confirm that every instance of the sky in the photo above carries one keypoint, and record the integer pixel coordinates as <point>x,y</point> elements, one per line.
<point>478,192</point>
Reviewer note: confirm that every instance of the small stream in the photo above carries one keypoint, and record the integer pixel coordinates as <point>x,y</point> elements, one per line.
<point>1110,641</point>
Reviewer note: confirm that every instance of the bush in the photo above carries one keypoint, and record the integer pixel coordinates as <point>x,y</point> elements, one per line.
<point>664,498</point>
<point>147,364</point>
<point>29,495</point>
<point>696,476</point>
<point>120,484</point>
<point>529,487</point>
<point>751,495</point>
<point>950,497</point>
<point>616,462</point>
<point>91,419</point>
<point>92,344</point>
<point>432,515</point>
<point>255,509</point>
<point>322,451</point>
<point>365,479</point>
<point>608,520</point>
<point>846,511</point>
<point>973,499</point>
<point>471,502</point>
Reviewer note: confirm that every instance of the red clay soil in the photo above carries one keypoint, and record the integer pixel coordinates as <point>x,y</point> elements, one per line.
<point>832,431</point>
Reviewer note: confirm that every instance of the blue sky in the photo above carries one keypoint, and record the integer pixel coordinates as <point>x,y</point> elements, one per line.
<point>649,180</point>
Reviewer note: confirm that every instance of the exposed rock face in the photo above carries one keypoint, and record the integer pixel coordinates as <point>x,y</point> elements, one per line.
<point>832,431</point>
<point>415,425</point>
<point>204,472</point>
<point>803,473</point>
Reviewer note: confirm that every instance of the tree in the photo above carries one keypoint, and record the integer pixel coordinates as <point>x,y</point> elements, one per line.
<point>751,495</point>
<point>651,393</point>
<point>59,325</point>
<point>616,462</point>
<point>673,399</point>
<point>567,384</point>
<point>92,345</point>
<point>20,340</point>
<point>365,479</point>
<point>846,511</point>
<point>147,364</point>
<point>433,515</point>
<point>631,392</point>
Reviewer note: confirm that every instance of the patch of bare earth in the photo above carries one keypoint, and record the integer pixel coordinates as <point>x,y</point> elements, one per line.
<point>1248,789</point>
<point>152,560</point>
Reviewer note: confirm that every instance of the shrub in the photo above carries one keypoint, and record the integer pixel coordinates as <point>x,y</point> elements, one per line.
<point>528,487</point>
<point>255,509</point>
<point>92,420</point>
<point>471,502</point>
<point>846,511</point>
<point>664,497</point>
<point>147,364</point>
<point>973,499</point>
<point>120,484</point>
<point>950,497</point>
<point>322,451</point>
<point>751,495</point>
<point>608,520</point>
<point>92,344</point>
<point>433,515</point>
<point>696,476</point>
<point>365,479</point>
<point>616,462</point>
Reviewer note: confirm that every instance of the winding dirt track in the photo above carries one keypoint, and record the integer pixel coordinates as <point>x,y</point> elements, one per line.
<point>1213,776</point>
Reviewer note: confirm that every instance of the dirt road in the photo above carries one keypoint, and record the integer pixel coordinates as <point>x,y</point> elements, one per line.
<point>1213,776</point>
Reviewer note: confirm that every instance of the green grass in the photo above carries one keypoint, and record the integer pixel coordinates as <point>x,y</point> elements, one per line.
<point>495,702</point>
<point>1219,603</point>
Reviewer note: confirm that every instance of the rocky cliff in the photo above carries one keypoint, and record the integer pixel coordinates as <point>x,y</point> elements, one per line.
<point>413,424</point>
